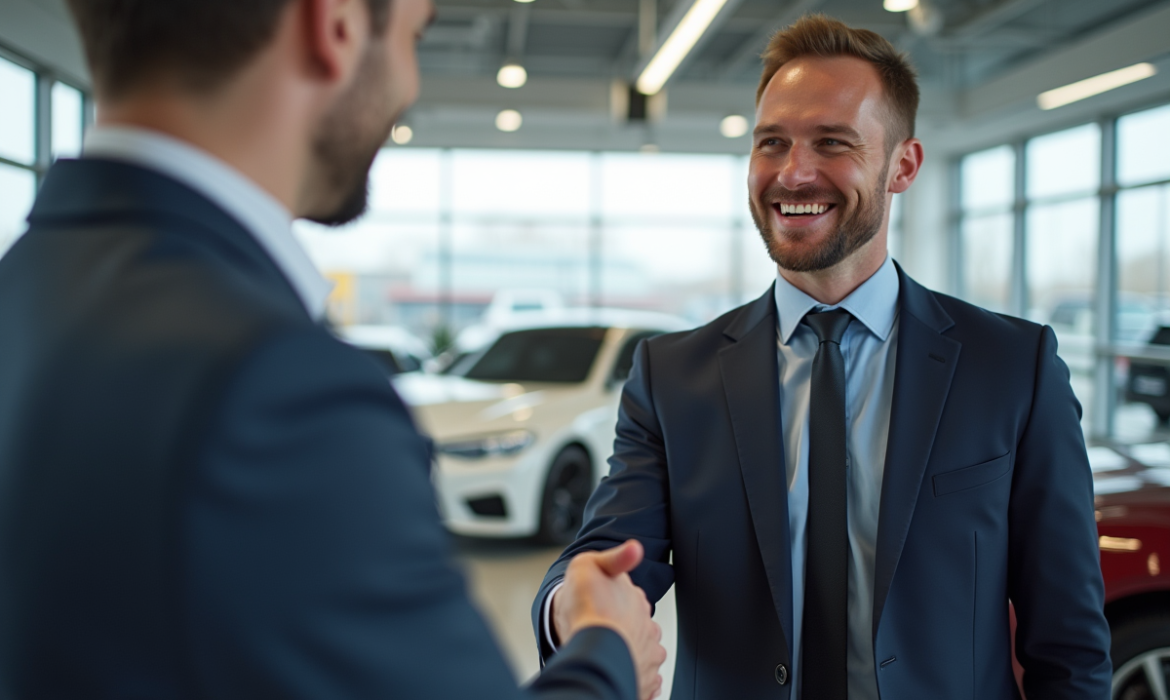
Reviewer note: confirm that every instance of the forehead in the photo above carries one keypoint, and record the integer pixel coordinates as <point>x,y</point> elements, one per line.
<point>812,90</point>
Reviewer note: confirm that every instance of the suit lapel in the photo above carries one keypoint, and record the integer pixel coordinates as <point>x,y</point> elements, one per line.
<point>752,386</point>
<point>923,371</point>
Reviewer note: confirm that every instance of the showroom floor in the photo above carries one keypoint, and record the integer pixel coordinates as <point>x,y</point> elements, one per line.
<point>505,576</point>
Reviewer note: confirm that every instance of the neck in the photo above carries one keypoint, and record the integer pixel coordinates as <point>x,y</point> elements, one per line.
<point>831,285</point>
<point>242,124</point>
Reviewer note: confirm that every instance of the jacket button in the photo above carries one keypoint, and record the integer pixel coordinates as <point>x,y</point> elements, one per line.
<point>781,674</point>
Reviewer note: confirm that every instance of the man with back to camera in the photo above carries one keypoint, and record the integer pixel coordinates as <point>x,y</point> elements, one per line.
<point>849,478</point>
<point>202,492</point>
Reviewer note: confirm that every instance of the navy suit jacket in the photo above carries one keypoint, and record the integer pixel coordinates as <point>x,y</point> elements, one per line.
<point>987,497</point>
<point>205,494</point>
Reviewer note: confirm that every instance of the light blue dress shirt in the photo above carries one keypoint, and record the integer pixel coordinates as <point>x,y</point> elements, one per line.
<point>869,348</point>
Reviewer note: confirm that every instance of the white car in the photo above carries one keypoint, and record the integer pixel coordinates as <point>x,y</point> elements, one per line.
<point>396,349</point>
<point>522,433</point>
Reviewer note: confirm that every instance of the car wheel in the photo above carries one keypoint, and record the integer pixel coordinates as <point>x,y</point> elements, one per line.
<point>566,491</point>
<point>1141,659</point>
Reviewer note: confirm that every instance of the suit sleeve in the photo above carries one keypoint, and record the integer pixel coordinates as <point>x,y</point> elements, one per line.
<point>1054,579</point>
<point>632,502</point>
<point>316,562</point>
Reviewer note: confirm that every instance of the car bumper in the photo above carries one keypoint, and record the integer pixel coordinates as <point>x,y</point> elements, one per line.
<point>463,485</point>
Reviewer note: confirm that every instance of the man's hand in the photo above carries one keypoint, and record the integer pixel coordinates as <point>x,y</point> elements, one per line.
<point>598,592</point>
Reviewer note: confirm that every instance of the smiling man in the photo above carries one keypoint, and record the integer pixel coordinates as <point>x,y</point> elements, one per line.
<point>203,493</point>
<point>849,479</point>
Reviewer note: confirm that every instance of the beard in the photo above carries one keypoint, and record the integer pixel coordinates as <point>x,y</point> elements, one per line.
<point>348,139</point>
<point>852,232</point>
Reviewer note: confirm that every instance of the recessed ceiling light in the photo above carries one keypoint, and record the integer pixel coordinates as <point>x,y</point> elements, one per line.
<point>899,5</point>
<point>733,126</point>
<point>509,120</point>
<point>1082,89</point>
<point>512,75</point>
<point>401,134</point>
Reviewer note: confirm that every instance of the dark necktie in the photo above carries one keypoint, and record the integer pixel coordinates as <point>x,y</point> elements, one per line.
<point>826,587</point>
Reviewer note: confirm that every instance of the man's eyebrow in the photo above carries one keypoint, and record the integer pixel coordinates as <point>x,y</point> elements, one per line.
<point>840,129</point>
<point>768,129</point>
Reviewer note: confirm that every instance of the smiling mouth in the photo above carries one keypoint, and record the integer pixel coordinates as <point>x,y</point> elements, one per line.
<point>806,209</point>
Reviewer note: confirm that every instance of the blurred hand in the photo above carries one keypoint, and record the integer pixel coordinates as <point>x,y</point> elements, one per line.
<point>598,592</point>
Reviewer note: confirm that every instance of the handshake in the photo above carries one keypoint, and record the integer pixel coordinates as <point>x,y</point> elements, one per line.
<point>598,592</point>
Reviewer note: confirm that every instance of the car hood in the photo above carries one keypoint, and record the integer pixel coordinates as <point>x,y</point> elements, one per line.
<point>1132,484</point>
<point>449,407</point>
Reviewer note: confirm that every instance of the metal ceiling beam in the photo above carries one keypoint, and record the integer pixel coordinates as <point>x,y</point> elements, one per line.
<point>518,30</point>
<point>752,48</point>
<point>995,16</point>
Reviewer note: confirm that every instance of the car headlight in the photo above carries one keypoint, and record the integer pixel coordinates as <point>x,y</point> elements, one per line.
<point>497,445</point>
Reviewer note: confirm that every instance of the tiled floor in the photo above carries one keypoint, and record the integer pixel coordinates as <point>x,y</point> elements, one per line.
<point>505,576</point>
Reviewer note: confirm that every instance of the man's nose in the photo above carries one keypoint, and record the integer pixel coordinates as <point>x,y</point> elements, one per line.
<point>799,167</point>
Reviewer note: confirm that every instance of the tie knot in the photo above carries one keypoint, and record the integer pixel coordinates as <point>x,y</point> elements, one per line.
<point>829,325</point>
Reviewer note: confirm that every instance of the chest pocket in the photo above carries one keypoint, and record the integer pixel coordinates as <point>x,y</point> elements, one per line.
<point>970,477</point>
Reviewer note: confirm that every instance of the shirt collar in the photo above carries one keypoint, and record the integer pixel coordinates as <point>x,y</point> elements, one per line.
<point>257,210</point>
<point>874,303</point>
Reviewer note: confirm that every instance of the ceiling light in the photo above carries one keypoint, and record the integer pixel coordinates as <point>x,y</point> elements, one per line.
<point>401,134</point>
<point>524,1</point>
<point>1096,85</point>
<point>899,5</point>
<point>733,126</point>
<point>512,75</point>
<point>509,120</point>
<point>676,47</point>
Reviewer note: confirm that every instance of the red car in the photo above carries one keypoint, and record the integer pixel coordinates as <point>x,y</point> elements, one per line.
<point>1132,487</point>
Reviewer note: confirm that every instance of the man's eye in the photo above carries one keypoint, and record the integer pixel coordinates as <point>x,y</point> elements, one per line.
<point>832,142</point>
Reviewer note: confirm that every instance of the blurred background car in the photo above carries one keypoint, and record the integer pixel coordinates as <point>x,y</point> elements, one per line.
<point>397,350</point>
<point>523,427</point>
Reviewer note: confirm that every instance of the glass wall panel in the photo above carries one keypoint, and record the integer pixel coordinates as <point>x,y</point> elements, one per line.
<point>17,190</point>
<point>1064,163</point>
<point>987,261</point>
<point>1143,146</point>
<point>678,269</point>
<point>1061,271</point>
<point>68,121</point>
<point>1143,286</point>
<point>522,183</point>
<point>678,187</point>
<point>988,179</point>
<point>17,133</point>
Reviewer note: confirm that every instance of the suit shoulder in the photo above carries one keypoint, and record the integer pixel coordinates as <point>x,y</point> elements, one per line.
<point>972,319</point>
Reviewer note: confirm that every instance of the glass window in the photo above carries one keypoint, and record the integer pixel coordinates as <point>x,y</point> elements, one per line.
<point>536,255</point>
<point>988,179</point>
<point>1143,261</point>
<point>1064,163</point>
<point>1061,272</point>
<point>17,190</point>
<point>1143,146</point>
<point>987,261</point>
<point>656,186</point>
<point>68,121</point>
<point>406,181</point>
<point>544,355</point>
<point>17,134</point>
<point>521,183</point>
<point>683,270</point>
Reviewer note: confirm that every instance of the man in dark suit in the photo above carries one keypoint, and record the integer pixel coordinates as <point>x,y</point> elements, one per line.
<point>202,492</point>
<point>848,480</point>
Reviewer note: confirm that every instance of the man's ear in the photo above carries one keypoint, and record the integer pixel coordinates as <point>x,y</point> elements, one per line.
<point>335,34</point>
<point>908,157</point>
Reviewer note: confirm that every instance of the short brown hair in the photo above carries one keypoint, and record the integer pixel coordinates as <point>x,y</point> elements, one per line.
<point>818,35</point>
<point>201,43</point>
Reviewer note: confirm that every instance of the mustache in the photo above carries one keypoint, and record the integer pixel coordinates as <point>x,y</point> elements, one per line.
<point>778,194</point>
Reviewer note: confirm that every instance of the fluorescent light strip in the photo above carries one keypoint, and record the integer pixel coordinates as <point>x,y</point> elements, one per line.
<point>678,45</point>
<point>1096,85</point>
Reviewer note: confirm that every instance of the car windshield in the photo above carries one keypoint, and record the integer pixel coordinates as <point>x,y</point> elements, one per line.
<point>540,355</point>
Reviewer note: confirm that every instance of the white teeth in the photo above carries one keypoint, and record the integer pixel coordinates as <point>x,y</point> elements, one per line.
<point>803,208</point>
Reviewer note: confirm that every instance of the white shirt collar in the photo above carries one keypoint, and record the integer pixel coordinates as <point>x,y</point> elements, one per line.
<point>257,210</point>
<point>874,303</point>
